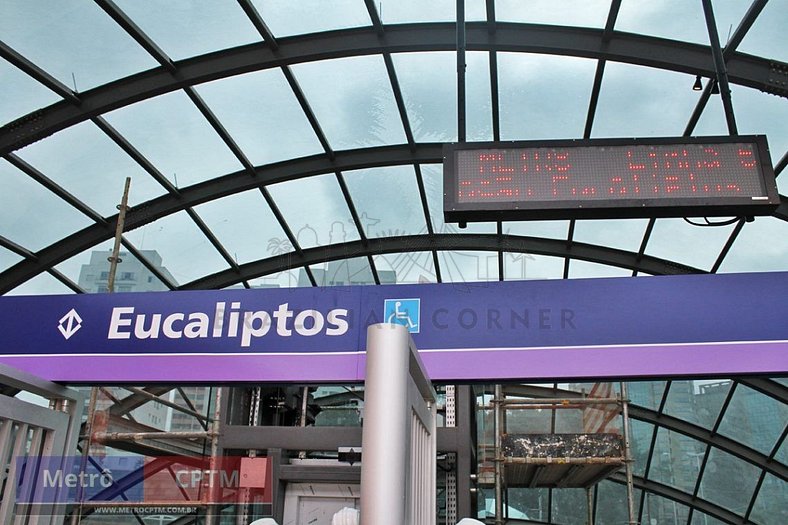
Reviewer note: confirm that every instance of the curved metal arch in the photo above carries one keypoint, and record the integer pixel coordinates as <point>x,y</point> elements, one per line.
<point>442,242</point>
<point>747,70</point>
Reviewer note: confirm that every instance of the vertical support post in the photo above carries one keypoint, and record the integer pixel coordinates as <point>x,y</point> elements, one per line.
<point>719,67</point>
<point>212,509</point>
<point>386,426</point>
<point>628,453</point>
<point>114,259</point>
<point>590,500</point>
<point>461,71</point>
<point>499,430</point>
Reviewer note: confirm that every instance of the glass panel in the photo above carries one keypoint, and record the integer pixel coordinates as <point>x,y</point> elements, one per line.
<point>528,504</point>
<point>468,266</point>
<point>754,419</point>
<point>624,234</point>
<point>712,120</point>
<point>261,113</point>
<point>611,503</point>
<point>21,94</point>
<point>699,518</point>
<point>406,268</point>
<point>543,96</point>
<point>766,36</point>
<point>8,259</point>
<point>662,511</point>
<point>674,19</point>
<point>352,100</point>
<point>584,13</point>
<point>399,11</point>
<point>521,266</point>
<point>171,132</point>
<point>549,229</point>
<point>641,433</point>
<point>87,164</point>
<point>771,506</point>
<point>245,226</point>
<point>41,284</point>
<point>478,103</point>
<point>583,269</point>
<point>433,186</point>
<point>696,246</point>
<point>315,210</point>
<point>697,402</point>
<point>90,270</point>
<point>761,113</point>
<point>676,460</point>
<point>782,453</point>
<point>570,506</point>
<point>183,28</point>
<point>429,87</point>
<point>637,101</point>
<point>647,394</point>
<point>184,250</point>
<point>728,481</point>
<point>285,279</point>
<point>61,38</point>
<point>286,18</point>
<point>345,272</point>
<point>759,247</point>
<point>21,219</point>
<point>387,201</point>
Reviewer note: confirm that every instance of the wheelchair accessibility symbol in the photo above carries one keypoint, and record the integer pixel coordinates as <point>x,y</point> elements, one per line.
<point>406,312</point>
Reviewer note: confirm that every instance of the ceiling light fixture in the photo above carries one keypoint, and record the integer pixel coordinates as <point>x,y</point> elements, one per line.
<point>697,86</point>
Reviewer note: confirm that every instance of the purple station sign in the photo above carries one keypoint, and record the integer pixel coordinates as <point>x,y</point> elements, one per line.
<point>525,330</point>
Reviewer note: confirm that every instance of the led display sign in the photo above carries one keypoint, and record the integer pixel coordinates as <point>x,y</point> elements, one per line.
<point>704,176</point>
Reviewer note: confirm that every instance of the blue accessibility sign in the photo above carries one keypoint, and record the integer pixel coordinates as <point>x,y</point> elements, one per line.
<point>406,312</point>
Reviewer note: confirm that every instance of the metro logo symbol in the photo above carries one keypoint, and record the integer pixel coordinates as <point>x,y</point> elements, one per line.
<point>69,324</point>
<point>406,312</point>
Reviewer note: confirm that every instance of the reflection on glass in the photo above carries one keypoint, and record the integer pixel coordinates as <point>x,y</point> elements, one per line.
<point>771,506</point>
<point>468,266</point>
<point>676,460</point>
<point>698,402</point>
<point>21,94</point>
<point>286,18</point>
<point>641,434</point>
<point>728,481</point>
<point>62,38</point>
<point>90,270</point>
<point>186,29</point>
<point>346,272</point>
<point>387,201</point>
<point>429,88</point>
<point>638,101</point>
<point>522,266</point>
<point>352,100</point>
<point>315,210</point>
<point>658,511</point>
<point>41,284</point>
<point>184,250</point>
<point>754,419</point>
<point>570,506</point>
<point>647,394</point>
<point>611,503</point>
<point>696,246</point>
<point>22,201</point>
<point>543,96</point>
<point>245,226</point>
<point>285,279</point>
<point>407,267</point>
<point>86,163</point>
<point>172,133</point>
<point>261,113</point>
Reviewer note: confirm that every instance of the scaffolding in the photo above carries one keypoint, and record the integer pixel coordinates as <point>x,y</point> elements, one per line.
<point>561,460</point>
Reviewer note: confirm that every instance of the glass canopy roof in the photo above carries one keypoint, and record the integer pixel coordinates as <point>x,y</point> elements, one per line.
<point>267,138</point>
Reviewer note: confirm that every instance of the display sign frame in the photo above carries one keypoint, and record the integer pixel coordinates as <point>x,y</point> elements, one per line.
<point>497,205</point>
